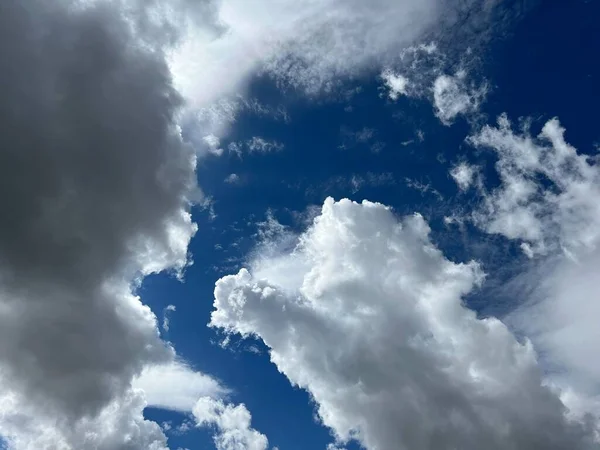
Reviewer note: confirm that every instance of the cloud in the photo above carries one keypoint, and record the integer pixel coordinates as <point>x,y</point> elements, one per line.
<point>260,145</point>
<point>312,48</point>
<point>367,315</point>
<point>232,423</point>
<point>232,178</point>
<point>560,212</point>
<point>397,84</point>
<point>362,136</point>
<point>256,144</point>
<point>354,182</point>
<point>463,174</point>
<point>175,386</point>
<point>99,185</point>
<point>213,144</point>
<point>452,97</point>
<point>166,319</point>
<point>421,73</point>
<point>305,45</point>
<point>547,200</point>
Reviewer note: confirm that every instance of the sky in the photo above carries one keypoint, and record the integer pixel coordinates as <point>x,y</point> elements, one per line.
<point>284,225</point>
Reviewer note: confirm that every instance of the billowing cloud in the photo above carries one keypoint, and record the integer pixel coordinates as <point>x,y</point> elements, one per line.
<point>97,186</point>
<point>176,386</point>
<point>367,315</point>
<point>232,424</point>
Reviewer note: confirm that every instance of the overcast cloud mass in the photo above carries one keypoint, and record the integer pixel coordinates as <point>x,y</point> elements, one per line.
<point>96,188</point>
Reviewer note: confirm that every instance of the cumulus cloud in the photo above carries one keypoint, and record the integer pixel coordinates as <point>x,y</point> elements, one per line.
<point>97,185</point>
<point>232,423</point>
<point>367,315</point>
<point>176,386</point>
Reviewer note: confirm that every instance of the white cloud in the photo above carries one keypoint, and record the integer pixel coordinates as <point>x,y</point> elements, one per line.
<point>260,145</point>
<point>213,144</point>
<point>548,201</point>
<point>312,46</point>
<point>559,213</point>
<point>452,97</point>
<point>166,319</point>
<point>232,423</point>
<point>176,386</point>
<point>397,84</point>
<point>232,178</point>
<point>463,174</point>
<point>303,44</point>
<point>367,315</point>
<point>118,425</point>
<point>423,76</point>
<point>256,144</point>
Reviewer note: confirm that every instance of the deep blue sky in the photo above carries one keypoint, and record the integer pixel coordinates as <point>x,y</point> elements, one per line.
<point>543,65</point>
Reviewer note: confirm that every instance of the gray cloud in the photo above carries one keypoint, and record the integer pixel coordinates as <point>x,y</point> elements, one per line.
<point>96,186</point>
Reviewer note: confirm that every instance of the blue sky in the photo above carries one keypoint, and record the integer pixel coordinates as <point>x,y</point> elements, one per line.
<point>538,67</point>
<point>282,225</point>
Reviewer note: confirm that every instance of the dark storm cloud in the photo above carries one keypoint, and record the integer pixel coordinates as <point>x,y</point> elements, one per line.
<point>95,187</point>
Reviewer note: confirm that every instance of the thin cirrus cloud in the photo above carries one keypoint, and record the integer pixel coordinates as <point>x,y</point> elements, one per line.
<point>309,46</point>
<point>367,315</point>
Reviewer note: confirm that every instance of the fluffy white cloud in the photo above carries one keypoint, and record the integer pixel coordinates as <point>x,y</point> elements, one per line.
<point>213,144</point>
<point>232,423</point>
<point>397,84</point>
<point>548,193</point>
<point>367,315</point>
<point>176,386</point>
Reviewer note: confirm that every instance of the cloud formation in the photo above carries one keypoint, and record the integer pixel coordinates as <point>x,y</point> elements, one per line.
<point>232,423</point>
<point>547,201</point>
<point>548,191</point>
<point>97,186</point>
<point>367,315</point>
